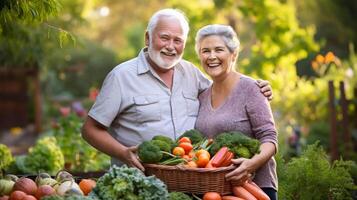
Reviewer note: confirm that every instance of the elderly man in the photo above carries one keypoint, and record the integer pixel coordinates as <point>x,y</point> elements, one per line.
<point>155,93</point>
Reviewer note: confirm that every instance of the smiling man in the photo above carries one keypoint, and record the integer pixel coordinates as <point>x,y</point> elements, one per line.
<point>155,93</point>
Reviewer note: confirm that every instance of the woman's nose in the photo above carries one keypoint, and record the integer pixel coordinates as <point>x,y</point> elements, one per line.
<point>212,55</point>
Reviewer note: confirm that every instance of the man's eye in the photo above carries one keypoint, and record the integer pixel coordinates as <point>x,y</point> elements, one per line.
<point>178,41</point>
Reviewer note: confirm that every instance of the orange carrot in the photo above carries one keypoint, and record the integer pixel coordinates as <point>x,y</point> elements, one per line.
<point>255,190</point>
<point>231,198</point>
<point>218,158</point>
<point>243,193</point>
<point>209,165</point>
<point>227,159</point>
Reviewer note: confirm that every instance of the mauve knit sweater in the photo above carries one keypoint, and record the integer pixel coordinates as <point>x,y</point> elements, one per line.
<point>245,110</point>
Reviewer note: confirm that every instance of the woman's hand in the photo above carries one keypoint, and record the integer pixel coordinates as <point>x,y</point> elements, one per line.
<point>131,158</point>
<point>241,173</point>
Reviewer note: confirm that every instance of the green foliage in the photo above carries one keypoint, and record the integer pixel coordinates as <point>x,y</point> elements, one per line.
<point>64,67</point>
<point>45,156</point>
<point>129,184</point>
<point>79,155</point>
<point>5,157</point>
<point>319,131</point>
<point>311,176</point>
<point>26,12</point>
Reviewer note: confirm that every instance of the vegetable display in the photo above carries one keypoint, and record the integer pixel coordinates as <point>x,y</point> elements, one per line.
<point>45,156</point>
<point>128,183</point>
<point>5,157</point>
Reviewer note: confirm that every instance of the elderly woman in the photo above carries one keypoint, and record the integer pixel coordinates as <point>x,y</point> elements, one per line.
<point>234,103</point>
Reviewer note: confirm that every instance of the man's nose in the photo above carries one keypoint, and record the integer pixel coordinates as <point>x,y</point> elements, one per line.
<point>170,45</point>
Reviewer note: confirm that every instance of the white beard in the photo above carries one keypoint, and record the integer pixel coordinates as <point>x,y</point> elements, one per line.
<point>155,56</point>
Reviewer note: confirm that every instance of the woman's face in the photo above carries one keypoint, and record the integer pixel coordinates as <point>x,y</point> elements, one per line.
<point>215,57</point>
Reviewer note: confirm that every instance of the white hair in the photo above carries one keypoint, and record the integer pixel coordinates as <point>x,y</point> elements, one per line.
<point>169,13</point>
<point>228,35</point>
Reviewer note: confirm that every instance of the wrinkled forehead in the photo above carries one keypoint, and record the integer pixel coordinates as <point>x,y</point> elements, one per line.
<point>169,26</point>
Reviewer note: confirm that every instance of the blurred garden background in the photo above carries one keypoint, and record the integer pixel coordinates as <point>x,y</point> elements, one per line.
<point>54,55</point>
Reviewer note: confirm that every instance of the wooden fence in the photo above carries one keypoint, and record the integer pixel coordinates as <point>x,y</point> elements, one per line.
<point>20,102</point>
<point>340,127</point>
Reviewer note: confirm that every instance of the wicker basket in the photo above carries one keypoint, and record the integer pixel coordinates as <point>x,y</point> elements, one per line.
<point>192,180</point>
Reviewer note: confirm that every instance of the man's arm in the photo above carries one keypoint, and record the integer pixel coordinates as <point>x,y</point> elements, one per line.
<point>98,136</point>
<point>265,88</point>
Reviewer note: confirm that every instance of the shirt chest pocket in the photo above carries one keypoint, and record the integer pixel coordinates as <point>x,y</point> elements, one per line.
<point>147,108</point>
<point>192,104</point>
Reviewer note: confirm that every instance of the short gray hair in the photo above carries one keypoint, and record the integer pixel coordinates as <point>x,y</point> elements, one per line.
<point>228,35</point>
<point>168,12</point>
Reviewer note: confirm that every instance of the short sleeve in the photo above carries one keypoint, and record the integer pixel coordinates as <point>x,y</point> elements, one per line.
<point>203,81</point>
<point>107,104</point>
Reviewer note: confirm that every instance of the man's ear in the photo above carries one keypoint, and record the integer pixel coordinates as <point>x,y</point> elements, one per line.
<point>147,39</point>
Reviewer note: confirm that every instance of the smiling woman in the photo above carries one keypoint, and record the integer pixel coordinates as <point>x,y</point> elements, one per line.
<point>234,103</point>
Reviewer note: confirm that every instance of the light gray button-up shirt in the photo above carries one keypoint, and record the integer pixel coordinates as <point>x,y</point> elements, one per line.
<point>135,104</point>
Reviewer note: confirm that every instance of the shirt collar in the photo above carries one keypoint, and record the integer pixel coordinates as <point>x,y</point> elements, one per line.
<point>144,66</point>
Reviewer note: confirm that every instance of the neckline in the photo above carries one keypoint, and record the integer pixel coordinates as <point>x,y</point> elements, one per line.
<point>225,101</point>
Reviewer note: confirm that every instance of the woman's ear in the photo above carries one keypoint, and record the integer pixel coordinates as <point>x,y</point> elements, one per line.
<point>235,56</point>
<point>147,39</point>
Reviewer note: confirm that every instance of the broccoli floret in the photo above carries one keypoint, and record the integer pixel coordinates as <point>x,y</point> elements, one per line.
<point>254,146</point>
<point>179,196</point>
<point>241,151</point>
<point>164,146</point>
<point>149,152</point>
<point>194,135</point>
<point>235,141</point>
<point>165,139</point>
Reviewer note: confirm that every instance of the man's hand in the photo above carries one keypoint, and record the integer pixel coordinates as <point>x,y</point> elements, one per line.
<point>265,88</point>
<point>131,158</point>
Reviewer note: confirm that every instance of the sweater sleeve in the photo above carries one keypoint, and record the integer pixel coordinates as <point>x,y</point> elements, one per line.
<point>260,116</point>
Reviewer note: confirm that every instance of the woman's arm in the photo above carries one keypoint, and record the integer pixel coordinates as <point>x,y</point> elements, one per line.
<point>263,129</point>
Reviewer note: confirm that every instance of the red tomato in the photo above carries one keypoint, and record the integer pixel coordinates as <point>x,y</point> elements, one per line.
<point>191,164</point>
<point>184,139</point>
<point>202,160</point>
<point>17,195</point>
<point>186,157</point>
<point>178,151</point>
<point>212,196</point>
<point>202,151</point>
<point>186,146</point>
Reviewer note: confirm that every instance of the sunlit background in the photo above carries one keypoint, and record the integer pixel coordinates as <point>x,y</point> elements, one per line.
<point>55,55</point>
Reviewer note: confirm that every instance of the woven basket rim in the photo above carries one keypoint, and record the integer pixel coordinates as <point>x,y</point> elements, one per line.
<point>183,168</point>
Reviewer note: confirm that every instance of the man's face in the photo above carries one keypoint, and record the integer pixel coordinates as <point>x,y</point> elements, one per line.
<point>166,44</point>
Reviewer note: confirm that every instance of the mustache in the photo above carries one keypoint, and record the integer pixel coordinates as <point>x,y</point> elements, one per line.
<point>168,51</point>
